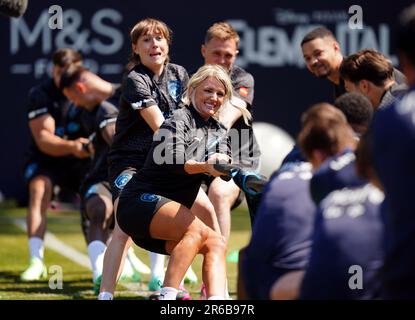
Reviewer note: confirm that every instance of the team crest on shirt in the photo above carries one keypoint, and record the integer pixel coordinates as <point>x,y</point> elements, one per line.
<point>122,180</point>
<point>243,91</point>
<point>149,197</point>
<point>175,89</point>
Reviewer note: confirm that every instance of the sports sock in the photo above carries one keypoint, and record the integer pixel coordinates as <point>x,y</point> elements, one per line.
<point>36,247</point>
<point>96,251</point>
<point>105,296</point>
<point>157,265</point>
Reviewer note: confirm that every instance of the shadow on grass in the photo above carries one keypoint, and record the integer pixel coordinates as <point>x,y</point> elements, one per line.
<point>77,288</point>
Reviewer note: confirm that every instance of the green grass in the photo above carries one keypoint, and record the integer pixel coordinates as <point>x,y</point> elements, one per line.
<point>77,282</point>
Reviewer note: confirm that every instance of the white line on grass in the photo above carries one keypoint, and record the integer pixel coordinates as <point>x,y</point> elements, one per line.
<point>57,245</point>
<point>53,243</point>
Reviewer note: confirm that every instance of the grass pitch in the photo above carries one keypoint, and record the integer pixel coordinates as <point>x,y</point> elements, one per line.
<point>77,280</point>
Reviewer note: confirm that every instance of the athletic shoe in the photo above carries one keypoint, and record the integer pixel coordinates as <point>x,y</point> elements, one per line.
<point>155,284</point>
<point>190,277</point>
<point>35,271</point>
<point>203,293</point>
<point>136,263</point>
<point>183,294</point>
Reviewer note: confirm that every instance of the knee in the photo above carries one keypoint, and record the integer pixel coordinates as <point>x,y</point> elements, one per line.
<point>216,244</point>
<point>40,191</point>
<point>216,192</point>
<point>199,234</point>
<point>39,187</point>
<point>222,193</point>
<point>96,210</point>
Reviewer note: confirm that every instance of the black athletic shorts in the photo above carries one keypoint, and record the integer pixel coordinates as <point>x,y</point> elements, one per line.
<point>134,215</point>
<point>90,189</point>
<point>119,181</point>
<point>67,176</point>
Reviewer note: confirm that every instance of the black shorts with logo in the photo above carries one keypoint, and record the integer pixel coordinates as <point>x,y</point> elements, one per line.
<point>67,173</point>
<point>134,215</point>
<point>119,181</point>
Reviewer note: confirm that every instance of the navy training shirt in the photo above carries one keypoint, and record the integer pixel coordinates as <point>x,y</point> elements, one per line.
<point>393,136</point>
<point>335,173</point>
<point>281,235</point>
<point>347,250</point>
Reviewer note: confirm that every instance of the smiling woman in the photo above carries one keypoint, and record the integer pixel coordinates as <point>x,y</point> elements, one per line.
<point>154,207</point>
<point>208,95</point>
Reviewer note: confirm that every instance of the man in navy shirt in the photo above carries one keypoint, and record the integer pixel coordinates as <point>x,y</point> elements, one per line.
<point>278,252</point>
<point>281,233</point>
<point>393,133</point>
<point>347,231</point>
<point>347,247</point>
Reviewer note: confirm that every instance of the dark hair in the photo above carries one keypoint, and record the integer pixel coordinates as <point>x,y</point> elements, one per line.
<point>144,26</point>
<point>65,57</point>
<point>325,135</point>
<point>367,64</point>
<point>323,128</point>
<point>321,112</point>
<point>356,107</point>
<point>318,33</point>
<point>70,75</point>
<point>406,33</point>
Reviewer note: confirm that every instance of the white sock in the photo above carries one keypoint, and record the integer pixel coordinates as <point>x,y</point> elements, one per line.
<point>105,296</point>
<point>157,265</point>
<point>168,293</point>
<point>96,251</point>
<point>216,298</point>
<point>36,247</point>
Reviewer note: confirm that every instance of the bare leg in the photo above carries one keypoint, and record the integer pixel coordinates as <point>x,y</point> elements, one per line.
<point>114,257</point>
<point>99,210</point>
<point>187,236</point>
<point>205,211</point>
<point>40,194</point>
<point>223,194</point>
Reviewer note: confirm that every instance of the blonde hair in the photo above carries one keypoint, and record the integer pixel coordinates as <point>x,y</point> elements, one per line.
<point>148,25</point>
<point>222,31</point>
<point>204,72</point>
